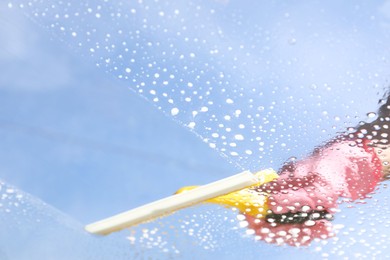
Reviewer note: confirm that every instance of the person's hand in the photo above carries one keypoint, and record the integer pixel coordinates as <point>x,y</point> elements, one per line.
<point>293,192</point>
<point>342,169</point>
<point>303,199</point>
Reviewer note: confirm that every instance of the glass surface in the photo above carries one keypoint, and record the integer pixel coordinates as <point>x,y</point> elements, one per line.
<point>259,83</point>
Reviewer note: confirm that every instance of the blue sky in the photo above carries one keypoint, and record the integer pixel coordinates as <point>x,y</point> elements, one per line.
<point>91,142</point>
<point>71,120</point>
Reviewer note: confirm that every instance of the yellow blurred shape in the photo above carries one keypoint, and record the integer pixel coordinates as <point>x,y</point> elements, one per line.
<point>248,201</point>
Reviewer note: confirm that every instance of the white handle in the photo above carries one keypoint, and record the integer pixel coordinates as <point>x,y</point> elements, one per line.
<point>172,203</point>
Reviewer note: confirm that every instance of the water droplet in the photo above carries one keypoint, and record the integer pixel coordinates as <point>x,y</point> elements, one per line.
<point>239,137</point>
<point>191,125</point>
<point>229,101</point>
<point>241,217</point>
<point>310,223</point>
<point>174,111</point>
<point>294,231</point>
<point>292,41</point>
<point>371,115</point>
<point>243,224</point>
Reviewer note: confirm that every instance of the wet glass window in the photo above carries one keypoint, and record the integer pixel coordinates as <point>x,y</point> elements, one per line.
<point>108,105</point>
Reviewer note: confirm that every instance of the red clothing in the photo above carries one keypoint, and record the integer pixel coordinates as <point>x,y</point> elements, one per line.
<point>344,168</point>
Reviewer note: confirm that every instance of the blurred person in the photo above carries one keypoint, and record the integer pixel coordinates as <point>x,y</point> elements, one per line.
<point>302,200</point>
<point>297,205</point>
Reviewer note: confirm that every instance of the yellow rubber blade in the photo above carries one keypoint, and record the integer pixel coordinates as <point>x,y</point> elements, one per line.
<point>248,200</point>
